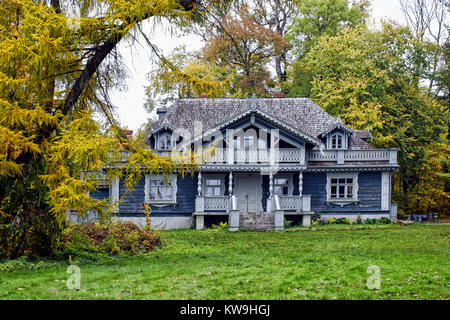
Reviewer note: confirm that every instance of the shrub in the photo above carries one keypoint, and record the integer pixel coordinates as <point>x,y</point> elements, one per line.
<point>358,219</point>
<point>112,239</point>
<point>38,234</point>
<point>24,263</point>
<point>370,221</point>
<point>384,220</point>
<point>220,226</point>
<point>332,221</point>
<point>287,223</point>
<point>342,221</point>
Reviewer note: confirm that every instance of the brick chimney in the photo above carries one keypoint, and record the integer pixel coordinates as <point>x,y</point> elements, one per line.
<point>278,95</point>
<point>161,112</point>
<point>128,133</point>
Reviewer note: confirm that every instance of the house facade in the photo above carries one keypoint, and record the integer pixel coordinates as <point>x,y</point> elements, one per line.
<point>260,161</point>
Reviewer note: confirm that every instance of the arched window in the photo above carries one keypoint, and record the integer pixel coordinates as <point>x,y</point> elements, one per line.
<point>337,141</point>
<point>165,142</point>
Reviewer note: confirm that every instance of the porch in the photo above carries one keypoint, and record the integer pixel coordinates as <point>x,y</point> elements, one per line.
<point>246,195</point>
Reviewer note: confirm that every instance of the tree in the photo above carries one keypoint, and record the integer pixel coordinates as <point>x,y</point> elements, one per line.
<point>243,44</point>
<point>318,18</point>
<point>324,17</point>
<point>428,19</point>
<point>277,15</point>
<point>166,85</point>
<point>55,72</point>
<point>372,79</point>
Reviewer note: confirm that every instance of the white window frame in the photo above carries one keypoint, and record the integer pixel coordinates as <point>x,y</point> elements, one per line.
<point>171,178</point>
<point>290,183</point>
<point>355,188</point>
<point>337,134</point>
<point>213,177</point>
<point>165,136</point>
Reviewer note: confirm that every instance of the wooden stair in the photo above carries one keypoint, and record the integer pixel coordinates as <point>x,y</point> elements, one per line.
<point>258,221</point>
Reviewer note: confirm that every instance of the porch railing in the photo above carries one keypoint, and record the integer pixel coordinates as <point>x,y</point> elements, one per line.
<point>295,203</point>
<point>212,203</point>
<point>342,156</point>
<point>283,155</point>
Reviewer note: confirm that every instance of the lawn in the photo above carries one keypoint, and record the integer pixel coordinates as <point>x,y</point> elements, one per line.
<point>327,262</point>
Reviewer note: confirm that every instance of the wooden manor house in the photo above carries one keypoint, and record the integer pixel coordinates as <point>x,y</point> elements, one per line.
<point>274,159</point>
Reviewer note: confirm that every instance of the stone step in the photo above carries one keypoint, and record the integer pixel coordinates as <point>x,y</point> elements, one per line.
<point>259,221</point>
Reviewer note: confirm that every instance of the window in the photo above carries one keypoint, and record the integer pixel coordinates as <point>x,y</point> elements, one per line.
<point>165,142</point>
<point>158,190</point>
<point>249,142</point>
<point>342,187</point>
<point>281,186</point>
<point>213,187</point>
<point>337,141</point>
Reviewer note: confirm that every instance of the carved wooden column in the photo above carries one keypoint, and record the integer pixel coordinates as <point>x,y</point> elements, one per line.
<point>270,199</point>
<point>199,200</point>
<point>230,184</point>
<point>300,184</point>
<point>199,184</point>
<point>115,194</point>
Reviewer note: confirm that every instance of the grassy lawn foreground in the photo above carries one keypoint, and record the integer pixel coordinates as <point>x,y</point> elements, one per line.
<point>329,262</point>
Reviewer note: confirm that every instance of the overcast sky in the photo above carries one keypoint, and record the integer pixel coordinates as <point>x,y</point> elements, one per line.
<point>130,102</point>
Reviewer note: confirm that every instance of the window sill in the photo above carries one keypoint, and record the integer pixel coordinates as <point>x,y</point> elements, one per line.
<point>342,202</point>
<point>161,204</point>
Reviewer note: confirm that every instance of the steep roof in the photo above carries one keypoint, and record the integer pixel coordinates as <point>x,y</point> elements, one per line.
<point>300,113</point>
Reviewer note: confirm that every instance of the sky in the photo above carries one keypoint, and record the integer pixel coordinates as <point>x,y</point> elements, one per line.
<point>129,102</point>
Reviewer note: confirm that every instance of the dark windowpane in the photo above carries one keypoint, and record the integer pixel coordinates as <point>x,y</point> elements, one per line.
<point>342,181</point>
<point>333,191</point>
<point>334,181</point>
<point>341,191</point>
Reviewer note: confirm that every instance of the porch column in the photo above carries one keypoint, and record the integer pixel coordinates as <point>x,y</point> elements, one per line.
<point>199,184</point>
<point>115,194</point>
<point>270,199</point>
<point>199,222</point>
<point>230,184</point>
<point>300,184</point>
<point>199,200</point>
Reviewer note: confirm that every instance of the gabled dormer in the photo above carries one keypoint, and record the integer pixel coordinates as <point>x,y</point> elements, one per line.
<point>337,136</point>
<point>162,137</point>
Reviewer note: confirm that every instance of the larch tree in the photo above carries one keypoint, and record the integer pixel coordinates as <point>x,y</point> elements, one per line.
<point>55,72</point>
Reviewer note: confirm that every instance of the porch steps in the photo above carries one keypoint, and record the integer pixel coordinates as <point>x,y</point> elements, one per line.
<point>258,221</point>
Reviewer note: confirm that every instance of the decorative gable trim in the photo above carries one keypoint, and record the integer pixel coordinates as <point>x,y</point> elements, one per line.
<point>263,115</point>
<point>337,126</point>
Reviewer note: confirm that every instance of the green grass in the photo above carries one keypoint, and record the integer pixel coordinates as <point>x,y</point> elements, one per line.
<point>327,262</point>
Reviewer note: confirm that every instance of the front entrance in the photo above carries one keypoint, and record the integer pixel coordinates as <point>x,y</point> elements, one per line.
<point>247,188</point>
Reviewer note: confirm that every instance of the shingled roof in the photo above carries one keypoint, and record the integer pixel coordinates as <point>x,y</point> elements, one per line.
<point>300,113</point>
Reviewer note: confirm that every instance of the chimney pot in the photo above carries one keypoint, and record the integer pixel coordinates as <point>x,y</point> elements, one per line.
<point>278,95</point>
<point>161,112</point>
<point>128,133</point>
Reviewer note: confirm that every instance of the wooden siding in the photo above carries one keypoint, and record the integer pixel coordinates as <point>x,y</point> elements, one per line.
<point>186,192</point>
<point>101,194</point>
<point>369,193</point>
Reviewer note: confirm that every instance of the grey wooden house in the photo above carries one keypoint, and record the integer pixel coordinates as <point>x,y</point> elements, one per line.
<point>272,159</point>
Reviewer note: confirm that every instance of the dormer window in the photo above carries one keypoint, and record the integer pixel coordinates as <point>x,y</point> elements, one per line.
<point>165,142</point>
<point>337,141</point>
